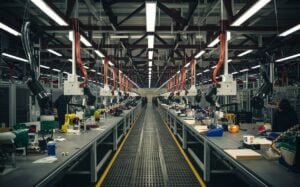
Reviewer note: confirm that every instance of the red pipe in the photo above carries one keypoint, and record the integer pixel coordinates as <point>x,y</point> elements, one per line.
<point>222,38</point>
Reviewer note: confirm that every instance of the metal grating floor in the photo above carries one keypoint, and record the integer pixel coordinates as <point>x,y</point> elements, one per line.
<point>150,157</point>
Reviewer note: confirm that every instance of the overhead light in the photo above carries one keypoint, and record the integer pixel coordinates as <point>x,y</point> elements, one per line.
<point>150,69</point>
<point>99,73</point>
<point>86,67</point>
<point>178,72</point>
<point>255,67</point>
<point>288,58</point>
<point>70,60</point>
<point>82,39</point>
<point>207,70</point>
<point>54,52</point>
<point>85,41</point>
<point>214,42</point>
<point>150,41</point>
<point>213,67</point>
<point>45,67</point>
<point>244,70</point>
<point>217,40</point>
<point>229,60</point>
<point>14,57</point>
<point>150,63</point>
<point>187,65</point>
<point>150,55</point>
<point>99,53</point>
<point>65,72</point>
<point>110,63</point>
<point>92,70</point>
<point>9,29</point>
<point>250,12</point>
<point>245,53</point>
<point>47,10</point>
<point>150,16</point>
<point>199,74</point>
<point>290,31</point>
<point>57,70</point>
<point>200,54</point>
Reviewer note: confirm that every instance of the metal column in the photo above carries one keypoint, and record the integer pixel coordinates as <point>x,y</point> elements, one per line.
<point>12,105</point>
<point>93,162</point>
<point>206,172</point>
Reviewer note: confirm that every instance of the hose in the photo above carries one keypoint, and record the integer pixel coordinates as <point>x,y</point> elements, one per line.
<point>222,38</point>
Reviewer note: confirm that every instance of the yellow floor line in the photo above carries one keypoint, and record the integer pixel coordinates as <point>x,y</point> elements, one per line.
<point>103,176</point>
<point>198,177</point>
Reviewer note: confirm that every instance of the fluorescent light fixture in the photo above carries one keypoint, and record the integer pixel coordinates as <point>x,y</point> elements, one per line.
<point>85,41</point>
<point>229,60</point>
<point>99,73</point>
<point>207,70</point>
<point>45,67</point>
<point>150,55</point>
<point>150,69</point>
<point>200,54</point>
<point>245,53</point>
<point>65,72</point>
<point>99,53</point>
<point>57,70</point>
<point>150,63</point>
<point>14,57</point>
<point>86,67</point>
<point>178,72</point>
<point>213,67</point>
<point>70,60</point>
<point>199,74</point>
<point>110,63</point>
<point>255,67</point>
<point>9,29</point>
<point>54,52</point>
<point>288,58</point>
<point>287,32</point>
<point>217,40</point>
<point>92,70</point>
<point>250,12</point>
<point>150,41</point>
<point>150,16</point>
<point>214,42</point>
<point>47,10</point>
<point>187,65</point>
<point>244,70</point>
<point>82,39</point>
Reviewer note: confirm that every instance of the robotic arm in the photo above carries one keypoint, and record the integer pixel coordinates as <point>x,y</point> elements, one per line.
<point>257,101</point>
<point>33,84</point>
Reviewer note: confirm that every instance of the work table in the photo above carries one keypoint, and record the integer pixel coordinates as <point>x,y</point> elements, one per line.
<point>255,172</point>
<point>111,130</point>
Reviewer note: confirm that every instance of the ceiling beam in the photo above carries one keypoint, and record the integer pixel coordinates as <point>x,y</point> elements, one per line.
<point>132,14</point>
<point>174,14</point>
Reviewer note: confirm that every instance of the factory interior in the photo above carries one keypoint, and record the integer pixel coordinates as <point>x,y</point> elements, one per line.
<point>149,93</point>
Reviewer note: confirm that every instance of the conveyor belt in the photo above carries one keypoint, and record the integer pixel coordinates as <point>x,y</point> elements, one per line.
<point>150,157</point>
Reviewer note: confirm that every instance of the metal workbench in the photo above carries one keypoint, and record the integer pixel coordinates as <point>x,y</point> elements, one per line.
<point>254,172</point>
<point>87,144</point>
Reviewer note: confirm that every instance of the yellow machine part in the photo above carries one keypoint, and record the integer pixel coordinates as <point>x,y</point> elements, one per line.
<point>68,121</point>
<point>230,118</point>
<point>98,112</point>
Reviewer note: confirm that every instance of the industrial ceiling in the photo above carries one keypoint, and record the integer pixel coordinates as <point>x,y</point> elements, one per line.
<point>183,28</point>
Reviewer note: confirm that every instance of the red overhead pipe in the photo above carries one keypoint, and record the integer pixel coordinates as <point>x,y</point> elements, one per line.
<point>222,38</point>
<point>105,69</point>
<point>114,80</point>
<point>183,77</point>
<point>77,53</point>
<point>193,72</point>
